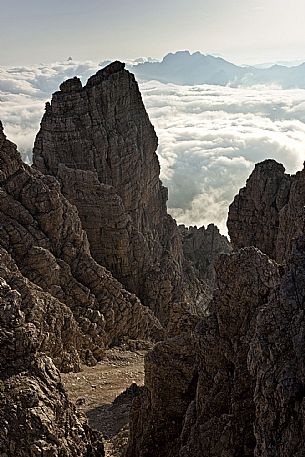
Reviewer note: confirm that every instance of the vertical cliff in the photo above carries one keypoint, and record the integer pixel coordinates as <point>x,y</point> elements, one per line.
<point>202,246</point>
<point>268,211</point>
<point>42,232</point>
<point>236,386</point>
<point>276,360</point>
<point>98,141</point>
<point>199,395</point>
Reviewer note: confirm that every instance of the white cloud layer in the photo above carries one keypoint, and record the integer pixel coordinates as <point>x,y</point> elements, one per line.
<point>210,136</point>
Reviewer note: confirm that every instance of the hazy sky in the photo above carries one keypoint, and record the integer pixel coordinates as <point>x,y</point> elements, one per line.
<point>244,31</point>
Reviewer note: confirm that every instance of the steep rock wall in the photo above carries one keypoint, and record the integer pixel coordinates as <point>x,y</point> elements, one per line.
<point>98,141</point>
<point>202,246</point>
<point>268,211</point>
<point>199,396</point>
<point>43,234</point>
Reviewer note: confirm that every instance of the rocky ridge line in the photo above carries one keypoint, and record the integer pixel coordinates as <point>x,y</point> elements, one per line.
<point>98,142</point>
<point>202,246</point>
<point>268,211</point>
<point>42,232</point>
<point>236,385</point>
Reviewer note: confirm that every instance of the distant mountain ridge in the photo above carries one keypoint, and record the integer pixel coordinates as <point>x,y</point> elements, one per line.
<point>185,68</point>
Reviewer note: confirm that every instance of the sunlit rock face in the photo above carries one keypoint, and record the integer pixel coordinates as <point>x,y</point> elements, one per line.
<point>86,309</point>
<point>98,141</point>
<point>36,416</point>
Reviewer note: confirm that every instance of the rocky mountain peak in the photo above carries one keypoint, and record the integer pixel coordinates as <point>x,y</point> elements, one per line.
<point>99,143</point>
<point>90,258</point>
<point>202,246</point>
<point>254,215</point>
<point>94,188</point>
<point>104,73</point>
<point>71,85</point>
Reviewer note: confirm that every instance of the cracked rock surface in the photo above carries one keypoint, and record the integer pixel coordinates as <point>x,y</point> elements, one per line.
<point>202,246</point>
<point>36,417</point>
<point>42,232</point>
<point>98,141</point>
<point>268,212</point>
<point>236,386</point>
<point>200,399</point>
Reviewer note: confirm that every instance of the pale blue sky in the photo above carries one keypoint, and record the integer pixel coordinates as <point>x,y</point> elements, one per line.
<point>244,31</point>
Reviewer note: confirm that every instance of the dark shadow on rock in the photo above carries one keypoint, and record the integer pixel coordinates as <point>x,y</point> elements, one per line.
<point>110,418</point>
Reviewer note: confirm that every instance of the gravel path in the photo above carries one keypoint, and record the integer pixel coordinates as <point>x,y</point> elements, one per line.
<point>95,388</point>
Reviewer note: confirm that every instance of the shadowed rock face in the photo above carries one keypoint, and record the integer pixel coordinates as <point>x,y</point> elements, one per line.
<point>220,421</point>
<point>98,142</point>
<point>236,387</point>
<point>159,411</point>
<point>36,417</point>
<point>202,246</point>
<point>254,215</point>
<point>276,360</point>
<point>200,399</point>
<point>268,212</point>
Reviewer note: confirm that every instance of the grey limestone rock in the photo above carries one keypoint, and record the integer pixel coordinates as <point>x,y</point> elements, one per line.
<point>42,232</point>
<point>36,417</point>
<point>199,396</point>
<point>202,246</point>
<point>99,143</point>
<point>246,367</point>
<point>268,211</point>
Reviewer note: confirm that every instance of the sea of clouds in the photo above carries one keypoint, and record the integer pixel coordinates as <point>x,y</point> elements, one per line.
<point>210,137</point>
